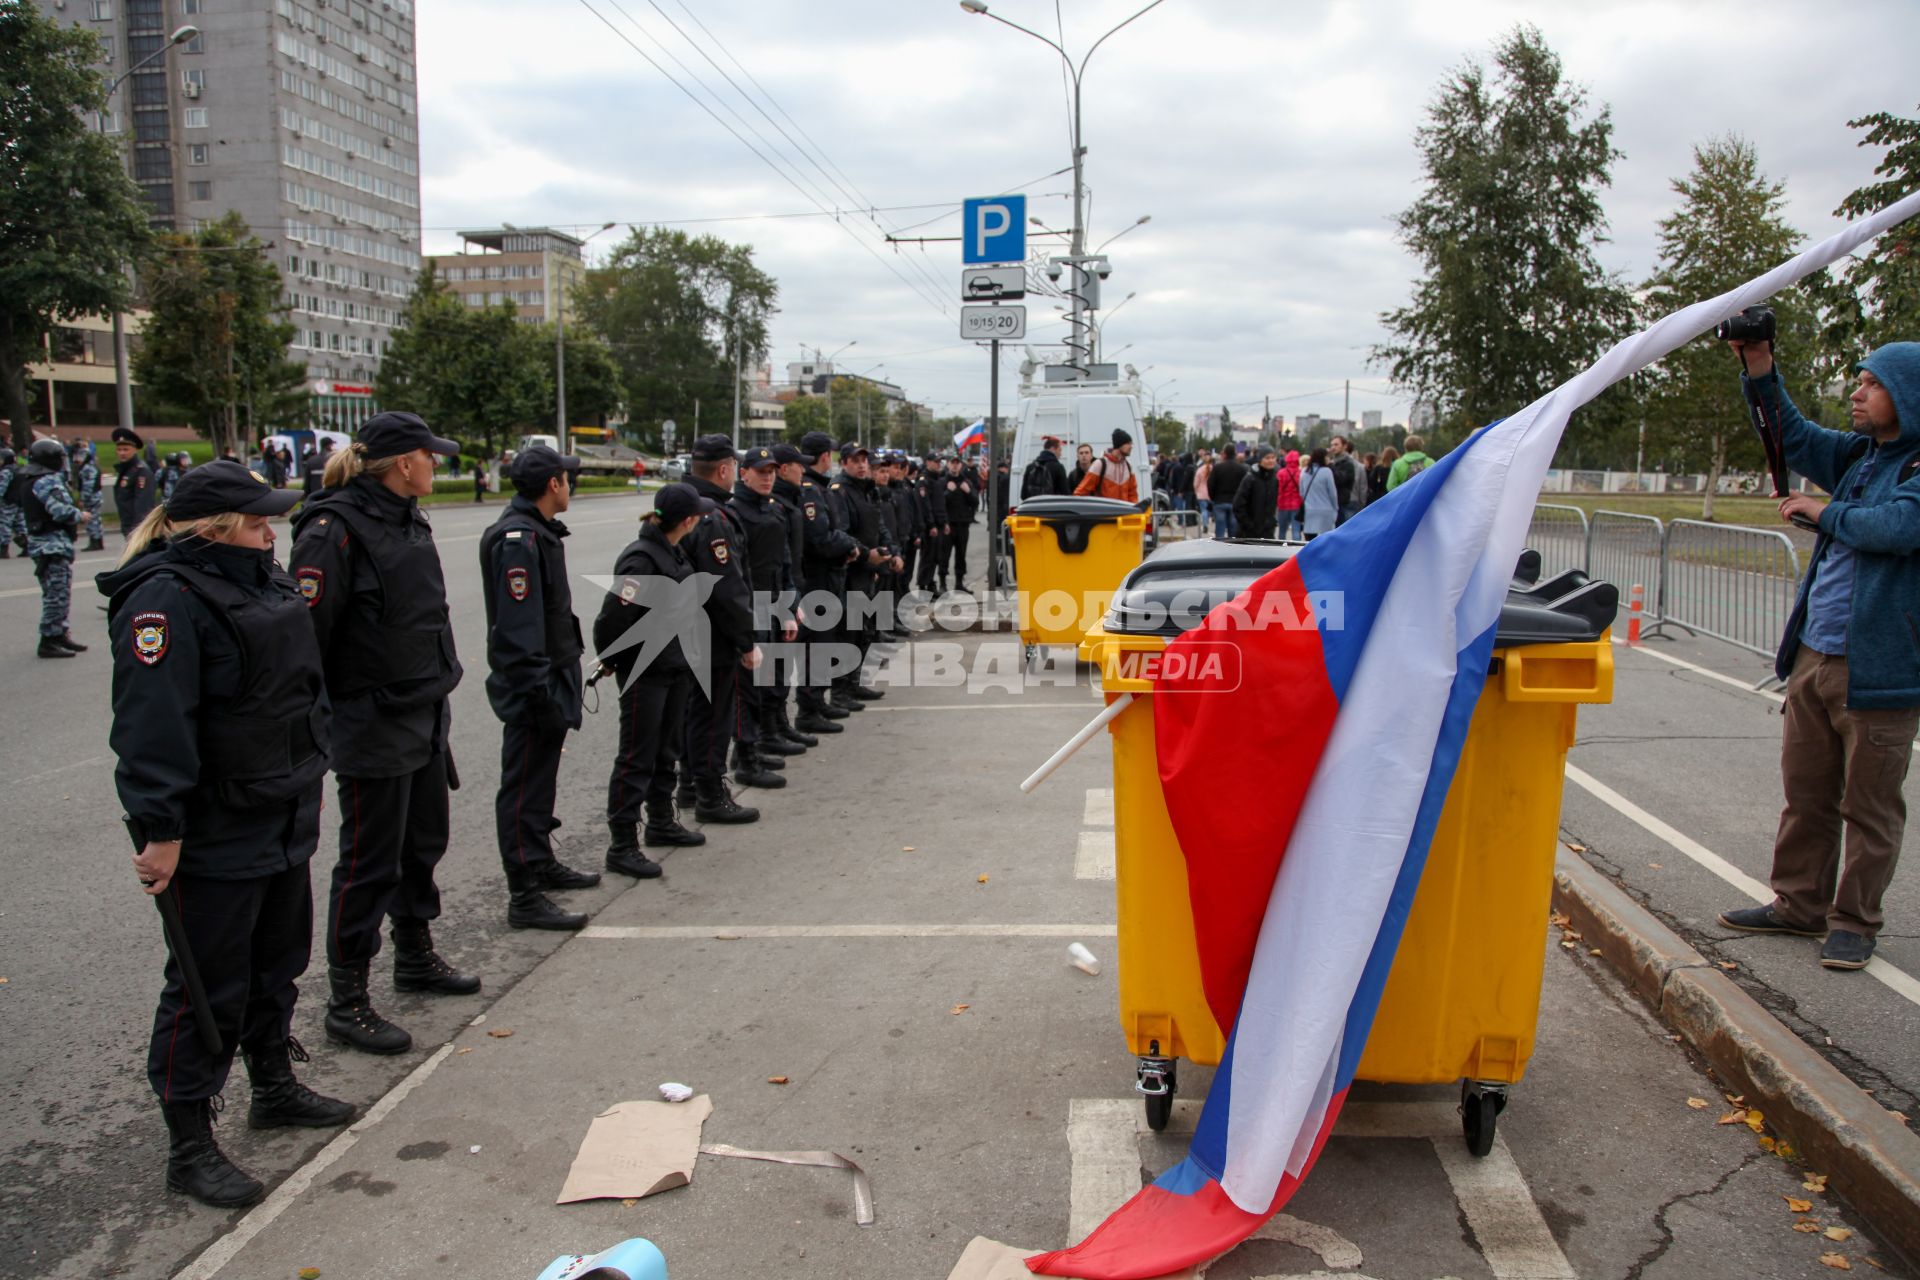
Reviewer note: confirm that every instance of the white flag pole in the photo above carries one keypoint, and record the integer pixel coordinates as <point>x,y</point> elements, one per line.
<point>1078,740</point>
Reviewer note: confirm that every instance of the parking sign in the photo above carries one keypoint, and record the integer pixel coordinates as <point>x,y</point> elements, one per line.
<point>994,230</point>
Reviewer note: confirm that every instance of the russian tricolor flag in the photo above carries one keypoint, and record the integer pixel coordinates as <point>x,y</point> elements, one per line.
<point>1299,908</point>
<point>967,437</point>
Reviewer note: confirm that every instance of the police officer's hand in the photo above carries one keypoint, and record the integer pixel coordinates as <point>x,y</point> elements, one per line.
<point>751,659</point>
<point>1757,357</point>
<point>898,564</point>
<point>874,556</point>
<point>789,630</point>
<point>155,864</point>
<point>853,555</point>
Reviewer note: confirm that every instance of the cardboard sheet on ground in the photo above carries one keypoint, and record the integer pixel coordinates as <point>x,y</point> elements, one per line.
<point>634,1149</point>
<point>986,1259</point>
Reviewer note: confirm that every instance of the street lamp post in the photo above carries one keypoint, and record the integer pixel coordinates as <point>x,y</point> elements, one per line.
<point>122,374</point>
<point>1078,260</point>
<point>560,350</point>
<point>818,361</point>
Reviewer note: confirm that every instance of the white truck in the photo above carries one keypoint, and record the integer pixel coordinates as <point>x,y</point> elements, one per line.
<point>1078,412</point>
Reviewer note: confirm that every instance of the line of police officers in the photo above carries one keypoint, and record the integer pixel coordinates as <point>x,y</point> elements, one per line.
<point>238,685</point>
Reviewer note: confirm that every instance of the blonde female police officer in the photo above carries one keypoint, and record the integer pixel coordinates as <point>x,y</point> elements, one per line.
<point>364,559</point>
<point>220,724</point>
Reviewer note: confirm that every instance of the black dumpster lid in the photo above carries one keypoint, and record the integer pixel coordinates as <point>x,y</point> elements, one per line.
<point>1177,586</point>
<point>1061,509</point>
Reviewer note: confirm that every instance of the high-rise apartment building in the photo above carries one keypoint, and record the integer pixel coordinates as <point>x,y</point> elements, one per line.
<point>300,115</point>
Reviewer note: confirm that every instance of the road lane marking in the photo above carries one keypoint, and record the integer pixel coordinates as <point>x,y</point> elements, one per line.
<point>78,584</point>
<point>1094,858</point>
<point>1105,1151</point>
<point>65,768</point>
<point>1898,980</point>
<point>730,932</point>
<point>222,1251</point>
<point>1099,810</point>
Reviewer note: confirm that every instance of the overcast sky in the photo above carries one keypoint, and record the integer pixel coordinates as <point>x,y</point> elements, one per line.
<point>1270,142</point>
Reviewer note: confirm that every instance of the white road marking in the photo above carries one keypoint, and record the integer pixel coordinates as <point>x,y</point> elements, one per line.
<point>1898,980</point>
<point>1105,1147</point>
<point>1094,858</point>
<point>77,764</point>
<point>732,932</point>
<point>222,1251</point>
<point>1099,811</point>
<point>79,584</point>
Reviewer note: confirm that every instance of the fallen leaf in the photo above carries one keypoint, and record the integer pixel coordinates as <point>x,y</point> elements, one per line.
<point>501,1033</point>
<point>1766,1143</point>
<point>1567,945</point>
<point>1755,1121</point>
<point>1798,1206</point>
<point>983,879</point>
<point>1556,920</point>
<point>1837,1234</point>
<point>628,1204</point>
<point>1785,1151</point>
<point>1728,965</point>
<point>1737,1099</point>
<point>309,1273</point>
<point>1897,1115</point>
<point>1698,1104</point>
<point>4,981</point>
<point>906,848</point>
<point>1837,1261</point>
<point>1594,952</point>
<point>1806,1226</point>
<point>1815,1182</point>
<point>1578,848</point>
<point>776,1080</point>
<point>959,1008</point>
<point>1736,1116</point>
<point>1875,1263</point>
<point>1654,865</point>
<point>458,1052</point>
<point>1575,934</point>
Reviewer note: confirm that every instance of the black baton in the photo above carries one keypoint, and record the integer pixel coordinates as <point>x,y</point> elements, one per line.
<point>176,933</point>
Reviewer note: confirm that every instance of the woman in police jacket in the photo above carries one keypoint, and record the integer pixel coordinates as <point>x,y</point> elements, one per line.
<point>364,560</point>
<point>220,724</point>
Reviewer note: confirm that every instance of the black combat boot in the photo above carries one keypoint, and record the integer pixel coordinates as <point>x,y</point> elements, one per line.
<point>555,874</point>
<point>624,855</point>
<point>865,692</point>
<point>280,1100</point>
<point>683,791</point>
<point>772,742</point>
<point>418,967</point>
<point>826,709</point>
<point>195,1163</point>
<point>528,908</point>
<point>96,544</point>
<point>67,642</point>
<point>843,698</point>
<point>352,1019</point>
<point>50,647</point>
<point>812,721</point>
<point>783,727</point>
<point>750,771</point>
<point>663,828</point>
<point>717,805</point>
<point>6,551</point>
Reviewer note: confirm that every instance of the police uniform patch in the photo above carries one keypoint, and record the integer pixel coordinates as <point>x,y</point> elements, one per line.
<point>149,637</point>
<point>309,583</point>
<point>517,583</point>
<point>627,593</point>
<point>512,535</point>
<point>721,551</point>
<point>809,509</point>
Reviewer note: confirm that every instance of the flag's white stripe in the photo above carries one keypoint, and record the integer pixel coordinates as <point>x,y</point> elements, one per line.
<point>1331,894</point>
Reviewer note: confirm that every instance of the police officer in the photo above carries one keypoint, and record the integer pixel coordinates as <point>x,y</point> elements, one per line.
<point>759,751</point>
<point>39,490</point>
<point>826,550</point>
<point>171,473</point>
<point>867,522</point>
<point>84,472</point>
<point>534,682</point>
<point>962,485</point>
<point>641,611</point>
<point>13,524</point>
<point>932,574</point>
<point>313,471</point>
<point>364,559</point>
<point>717,546</point>
<point>133,490</point>
<point>220,729</point>
<point>789,472</point>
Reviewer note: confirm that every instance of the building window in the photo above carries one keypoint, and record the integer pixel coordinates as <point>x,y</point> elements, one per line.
<point>106,49</point>
<point>189,6</point>
<point>107,121</point>
<point>196,45</point>
<point>194,117</point>
<point>103,10</point>
<point>194,80</point>
<point>199,191</point>
<point>196,153</point>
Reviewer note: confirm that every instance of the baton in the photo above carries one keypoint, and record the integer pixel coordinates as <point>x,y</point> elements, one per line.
<point>176,933</point>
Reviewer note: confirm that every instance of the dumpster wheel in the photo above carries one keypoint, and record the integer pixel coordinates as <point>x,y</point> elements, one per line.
<point>1480,1108</point>
<point>1155,1082</point>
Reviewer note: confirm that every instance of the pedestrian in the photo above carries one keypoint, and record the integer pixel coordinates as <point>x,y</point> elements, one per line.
<point>1319,497</point>
<point>827,549</point>
<point>39,490</point>
<point>1224,486</point>
<point>479,481</point>
<point>313,479</point>
<point>963,507</point>
<point>1083,462</point>
<point>1202,496</point>
<point>220,730</point>
<point>1409,464</point>
<point>1046,475</point>
<point>275,469</point>
<point>1378,473</point>
<point>13,522</point>
<point>88,493</point>
<point>759,752</point>
<point>1255,501</point>
<point>653,699</point>
<point>1349,481</point>
<point>533,681</point>
<point>365,562</point>
<point>1112,476</point>
<point>1290,523</point>
<point>1850,658</point>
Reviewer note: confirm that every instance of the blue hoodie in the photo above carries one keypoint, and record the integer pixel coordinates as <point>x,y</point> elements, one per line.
<point>1880,524</point>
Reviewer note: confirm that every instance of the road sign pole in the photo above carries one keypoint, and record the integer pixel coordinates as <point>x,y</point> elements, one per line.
<point>994,515</point>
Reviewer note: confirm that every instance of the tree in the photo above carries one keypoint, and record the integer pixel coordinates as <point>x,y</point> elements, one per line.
<point>1513,300</point>
<point>214,349</point>
<point>1878,298</point>
<point>71,222</point>
<point>473,371</point>
<point>804,414</point>
<point>1727,230</point>
<point>594,389</point>
<point>1167,433</point>
<point>681,315</point>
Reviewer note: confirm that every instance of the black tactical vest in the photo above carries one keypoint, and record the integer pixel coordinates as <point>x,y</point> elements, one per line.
<point>563,642</point>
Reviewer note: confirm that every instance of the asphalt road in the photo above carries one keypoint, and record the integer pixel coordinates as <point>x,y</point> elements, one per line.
<point>832,944</point>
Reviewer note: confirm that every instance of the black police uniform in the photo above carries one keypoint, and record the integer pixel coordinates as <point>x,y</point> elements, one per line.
<point>963,504</point>
<point>313,469</point>
<point>826,547</point>
<point>905,520</point>
<point>365,560</point>
<point>764,531</point>
<point>933,551</point>
<point>785,668</point>
<point>534,685</point>
<point>867,522</point>
<point>133,492</point>
<point>717,546</point>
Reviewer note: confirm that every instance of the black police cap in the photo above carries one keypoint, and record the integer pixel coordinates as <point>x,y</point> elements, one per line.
<point>758,456</point>
<point>223,486</point>
<point>390,434</point>
<point>815,443</point>
<point>675,502</point>
<point>534,468</point>
<point>124,435</point>
<point>714,448</point>
<point>784,453</point>
<point>852,447</point>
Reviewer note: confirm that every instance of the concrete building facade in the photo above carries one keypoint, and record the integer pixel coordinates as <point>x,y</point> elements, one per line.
<point>534,268</point>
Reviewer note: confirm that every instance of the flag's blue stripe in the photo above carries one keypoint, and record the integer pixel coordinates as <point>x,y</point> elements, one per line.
<point>1209,1149</point>
<point>1186,1178</point>
<point>1361,557</point>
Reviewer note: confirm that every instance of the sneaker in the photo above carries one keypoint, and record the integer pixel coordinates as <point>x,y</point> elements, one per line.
<point>1762,920</point>
<point>1846,949</point>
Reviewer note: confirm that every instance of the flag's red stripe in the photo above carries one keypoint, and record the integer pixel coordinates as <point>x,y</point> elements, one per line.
<point>1276,721</point>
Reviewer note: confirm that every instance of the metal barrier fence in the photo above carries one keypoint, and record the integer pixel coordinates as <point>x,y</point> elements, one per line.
<point>1559,534</point>
<point>1732,583</point>
<point>1623,549</point>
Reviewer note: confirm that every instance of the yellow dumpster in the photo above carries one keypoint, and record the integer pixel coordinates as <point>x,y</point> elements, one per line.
<point>1071,553</point>
<point>1463,997</point>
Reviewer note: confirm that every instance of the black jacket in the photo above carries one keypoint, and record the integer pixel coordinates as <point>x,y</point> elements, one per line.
<point>763,525</point>
<point>1225,480</point>
<point>649,555</point>
<point>718,546</point>
<point>827,541</point>
<point>533,639</point>
<point>1046,475</point>
<point>787,494</point>
<point>962,495</point>
<point>1346,473</point>
<point>866,521</point>
<point>1255,504</point>
<point>220,717</point>
<point>133,494</point>
<point>364,558</point>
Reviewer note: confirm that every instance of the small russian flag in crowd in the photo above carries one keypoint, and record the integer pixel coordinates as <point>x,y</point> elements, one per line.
<point>967,437</point>
<point>1298,913</point>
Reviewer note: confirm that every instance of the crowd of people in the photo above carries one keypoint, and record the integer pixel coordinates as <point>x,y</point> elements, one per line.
<point>1258,492</point>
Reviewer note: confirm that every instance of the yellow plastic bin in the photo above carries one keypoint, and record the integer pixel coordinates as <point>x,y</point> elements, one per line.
<point>1071,552</point>
<point>1463,997</point>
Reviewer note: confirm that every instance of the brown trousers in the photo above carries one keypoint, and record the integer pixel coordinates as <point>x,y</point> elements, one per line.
<point>1843,771</point>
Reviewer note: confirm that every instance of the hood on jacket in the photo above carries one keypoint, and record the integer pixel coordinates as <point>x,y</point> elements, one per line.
<point>1293,457</point>
<point>1897,365</point>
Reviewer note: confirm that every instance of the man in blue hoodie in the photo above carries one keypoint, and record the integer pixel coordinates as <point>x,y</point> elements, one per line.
<point>1850,657</point>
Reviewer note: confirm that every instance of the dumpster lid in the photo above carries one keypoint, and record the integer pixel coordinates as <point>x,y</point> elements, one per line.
<point>1175,588</point>
<point>1060,509</point>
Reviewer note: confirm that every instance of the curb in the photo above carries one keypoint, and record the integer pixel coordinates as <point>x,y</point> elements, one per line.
<point>1871,1159</point>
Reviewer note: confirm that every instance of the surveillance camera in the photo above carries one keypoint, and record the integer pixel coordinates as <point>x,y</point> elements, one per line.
<point>1053,271</point>
<point>1103,268</point>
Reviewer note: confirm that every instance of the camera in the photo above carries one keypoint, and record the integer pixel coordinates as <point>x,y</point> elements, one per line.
<point>1754,324</point>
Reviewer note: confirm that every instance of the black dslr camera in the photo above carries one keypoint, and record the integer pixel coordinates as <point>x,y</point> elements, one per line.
<point>1755,324</point>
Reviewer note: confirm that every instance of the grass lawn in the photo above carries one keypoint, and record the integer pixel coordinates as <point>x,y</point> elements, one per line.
<point>1761,513</point>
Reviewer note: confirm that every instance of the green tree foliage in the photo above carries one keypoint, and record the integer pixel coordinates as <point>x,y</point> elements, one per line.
<point>71,222</point>
<point>1727,230</point>
<point>474,372</point>
<point>676,310</point>
<point>214,349</point>
<point>1513,300</point>
<point>1168,433</point>
<point>804,414</point>
<point>594,387</point>
<point>1878,297</point>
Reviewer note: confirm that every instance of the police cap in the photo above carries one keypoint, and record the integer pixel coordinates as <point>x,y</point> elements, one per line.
<point>675,502</point>
<point>757,457</point>
<point>784,453</point>
<point>391,434</point>
<point>852,448</point>
<point>224,486</point>
<point>714,448</point>
<point>815,443</point>
<point>534,468</point>
<point>123,435</point>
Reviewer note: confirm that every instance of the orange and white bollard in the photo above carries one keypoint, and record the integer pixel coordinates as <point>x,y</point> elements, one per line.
<point>1635,602</point>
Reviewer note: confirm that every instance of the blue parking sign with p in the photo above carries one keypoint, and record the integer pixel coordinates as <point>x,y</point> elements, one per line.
<point>994,230</point>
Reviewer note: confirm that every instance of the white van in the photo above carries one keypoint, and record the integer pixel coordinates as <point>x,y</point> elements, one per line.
<point>1078,412</point>
<point>552,442</point>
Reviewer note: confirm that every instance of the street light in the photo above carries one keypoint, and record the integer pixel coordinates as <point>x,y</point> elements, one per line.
<point>560,348</point>
<point>818,362</point>
<point>860,429</point>
<point>1141,221</point>
<point>1077,73</point>
<point>122,375</point>
<point>1100,327</point>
